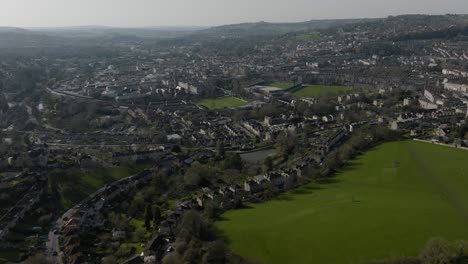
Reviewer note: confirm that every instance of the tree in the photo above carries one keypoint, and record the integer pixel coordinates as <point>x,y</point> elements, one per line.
<point>38,258</point>
<point>289,183</point>
<point>313,173</point>
<point>109,260</point>
<point>462,249</point>
<point>234,161</point>
<point>210,210</point>
<point>268,110</point>
<point>172,258</point>
<point>436,251</point>
<point>194,226</point>
<point>156,215</point>
<point>199,175</point>
<point>237,203</point>
<point>124,250</point>
<point>118,221</point>
<point>270,191</point>
<point>285,143</point>
<point>53,185</point>
<point>140,235</point>
<point>215,253</point>
<point>137,205</point>
<point>346,152</point>
<point>220,149</point>
<point>45,220</point>
<point>176,149</point>
<point>268,162</point>
<point>148,216</point>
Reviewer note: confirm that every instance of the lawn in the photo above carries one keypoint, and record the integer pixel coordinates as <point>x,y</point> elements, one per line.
<point>386,204</point>
<point>321,90</point>
<point>283,86</point>
<point>222,102</point>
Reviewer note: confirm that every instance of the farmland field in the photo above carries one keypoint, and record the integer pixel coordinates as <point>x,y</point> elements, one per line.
<point>385,204</point>
<point>321,90</point>
<point>218,103</point>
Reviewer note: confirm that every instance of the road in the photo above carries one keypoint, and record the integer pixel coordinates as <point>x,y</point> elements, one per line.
<point>53,245</point>
<point>151,106</point>
<point>105,145</point>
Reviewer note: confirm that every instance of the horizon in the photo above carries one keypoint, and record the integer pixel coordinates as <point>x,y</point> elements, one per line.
<point>206,13</point>
<point>95,26</point>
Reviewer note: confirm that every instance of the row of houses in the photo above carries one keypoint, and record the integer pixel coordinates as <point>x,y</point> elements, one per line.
<point>87,214</point>
<point>15,214</point>
<point>413,120</point>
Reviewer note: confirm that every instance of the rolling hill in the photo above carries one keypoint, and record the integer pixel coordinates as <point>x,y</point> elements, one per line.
<point>265,28</point>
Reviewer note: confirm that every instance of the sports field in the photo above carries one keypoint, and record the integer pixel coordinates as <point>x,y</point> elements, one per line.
<point>386,204</point>
<point>321,90</point>
<point>222,102</point>
<point>283,86</point>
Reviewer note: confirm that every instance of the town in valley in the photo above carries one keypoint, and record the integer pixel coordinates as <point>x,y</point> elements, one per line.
<point>215,144</point>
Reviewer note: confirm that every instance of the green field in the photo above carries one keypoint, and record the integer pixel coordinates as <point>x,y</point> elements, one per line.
<point>283,86</point>
<point>321,90</point>
<point>75,185</point>
<point>386,204</point>
<point>222,102</point>
<point>305,37</point>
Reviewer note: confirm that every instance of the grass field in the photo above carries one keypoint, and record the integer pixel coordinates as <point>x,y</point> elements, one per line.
<point>386,204</point>
<point>219,103</point>
<point>305,37</point>
<point>281,85</point>
<point>75,185</point>
<point>321,90</point>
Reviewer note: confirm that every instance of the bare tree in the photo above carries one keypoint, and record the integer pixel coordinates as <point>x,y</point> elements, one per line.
<point>436,251</point>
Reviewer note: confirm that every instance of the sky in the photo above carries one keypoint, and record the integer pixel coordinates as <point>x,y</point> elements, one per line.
<point>146,13</point>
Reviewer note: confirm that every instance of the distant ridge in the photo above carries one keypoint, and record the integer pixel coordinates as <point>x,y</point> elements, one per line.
<point>267,28</point>
<point>428,26</point>
<point>13,30</point>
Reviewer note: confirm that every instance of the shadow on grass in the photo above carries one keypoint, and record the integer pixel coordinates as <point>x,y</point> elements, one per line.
<point>299,191</point>
<point>221,217</point>
<point>320,183</point>
<point>328,180</point>
<point>222,235</point>
<point>349,166</point>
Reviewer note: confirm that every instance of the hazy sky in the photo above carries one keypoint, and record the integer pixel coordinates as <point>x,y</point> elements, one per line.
<point>131,13</point>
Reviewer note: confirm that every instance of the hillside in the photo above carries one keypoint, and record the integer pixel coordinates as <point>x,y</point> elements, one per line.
<point>412,26</point>
<point>18,38</point>
<point>22,38</point>
<point>115,32</point>
<point>265,28</point>
<point>398,27</point>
